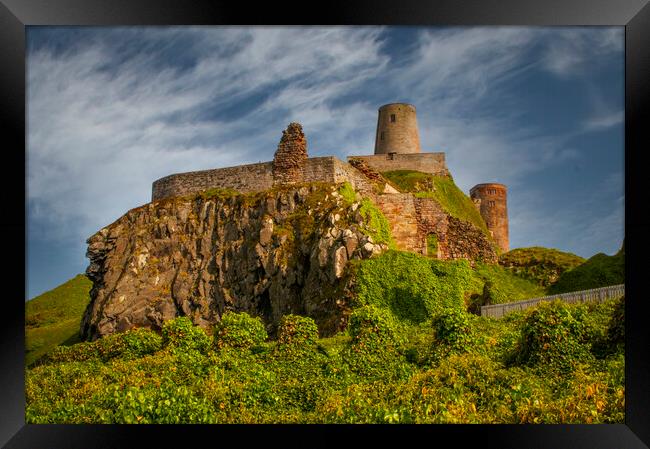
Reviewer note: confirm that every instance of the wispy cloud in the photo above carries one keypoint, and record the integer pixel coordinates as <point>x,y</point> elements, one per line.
<point>571,49</point>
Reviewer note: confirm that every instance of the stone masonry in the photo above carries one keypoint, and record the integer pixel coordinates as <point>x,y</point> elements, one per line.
<point>291,156</point>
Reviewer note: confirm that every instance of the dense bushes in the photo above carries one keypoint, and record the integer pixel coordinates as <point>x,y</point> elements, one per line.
<point>132,344</point>
<point>413,288</point>
<point>239,330</point>
<point>553,337</point>
<point>181,335</point>
<point>368,375</point>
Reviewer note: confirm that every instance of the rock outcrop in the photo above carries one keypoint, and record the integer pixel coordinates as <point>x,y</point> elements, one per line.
<point>271,253</point>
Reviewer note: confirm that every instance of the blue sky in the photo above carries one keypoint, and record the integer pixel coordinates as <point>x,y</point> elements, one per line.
<point>112,109</point>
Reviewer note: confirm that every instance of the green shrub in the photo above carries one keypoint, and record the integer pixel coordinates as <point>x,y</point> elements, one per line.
<point>411,287</point>
<point>554,337</point>
<point>370,327</point>
<point>180,334</point>
<point>348,193</point>
<point>452,328</point>
<point>375,223</point>
<point>239,330</point>
<point>616,329</point>
<point>296,330</point>
<point>131,344</point>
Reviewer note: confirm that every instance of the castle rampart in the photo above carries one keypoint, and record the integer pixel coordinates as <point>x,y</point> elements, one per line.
<point>433,163</point>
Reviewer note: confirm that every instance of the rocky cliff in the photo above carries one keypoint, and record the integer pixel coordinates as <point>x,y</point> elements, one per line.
<point>281,251</point>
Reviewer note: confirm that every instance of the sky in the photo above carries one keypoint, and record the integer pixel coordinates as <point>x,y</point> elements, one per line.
<point>110,110</point>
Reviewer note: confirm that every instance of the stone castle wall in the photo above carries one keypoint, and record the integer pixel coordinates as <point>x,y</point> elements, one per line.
<point>413,219</point>
<point>244,178</point>
<point>425,162</point>
<point>257,177</point>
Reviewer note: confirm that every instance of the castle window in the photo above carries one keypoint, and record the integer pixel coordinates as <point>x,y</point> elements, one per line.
<point>491,203</point>
<point>381,136</point>
<point>392,118</point>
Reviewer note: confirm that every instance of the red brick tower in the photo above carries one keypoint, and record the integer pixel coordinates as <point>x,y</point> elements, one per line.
<point>491,199</point>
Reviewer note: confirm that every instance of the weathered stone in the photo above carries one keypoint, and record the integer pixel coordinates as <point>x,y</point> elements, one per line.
<point>340,260</point>
<point>226,254</point>
<point>291,156</point>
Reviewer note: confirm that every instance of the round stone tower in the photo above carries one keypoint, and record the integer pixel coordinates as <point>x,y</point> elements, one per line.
<point>491,200</point>
<point>397,129</point>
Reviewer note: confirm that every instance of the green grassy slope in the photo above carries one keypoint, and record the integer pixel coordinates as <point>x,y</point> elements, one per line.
<point>54,317</point>
<point>600,270</point>
<point>443,190</point>
<point>542,266</point>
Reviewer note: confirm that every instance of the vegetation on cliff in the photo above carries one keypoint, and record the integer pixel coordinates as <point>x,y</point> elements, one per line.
<point>543,266</point>
<point>443,190</point>
<point>54,317</point>
<point>599,271</point>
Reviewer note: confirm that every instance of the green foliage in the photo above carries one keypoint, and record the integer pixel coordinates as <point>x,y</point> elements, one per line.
<point>503,286</point>
<point>616,328</point>
<point>375,223</point>
<point>218,193</point>
<point>368,376</point>
<point>132,344</point>
<point>443,190</point>
<point>432,245</point>
<point>600,270</point>
<point>374,350</point>
<point>452,328</point>
<point>54,318</point>
<point>553,337</point>
<point>297,331</point>
<point>542,266</point>
<point>347,193</point>
<point>181,335</point>
<point>412,287</point>
<point>239,330</point>
<point>371,327</point>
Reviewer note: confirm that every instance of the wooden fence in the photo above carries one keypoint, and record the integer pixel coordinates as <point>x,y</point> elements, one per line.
<point>596,294</point>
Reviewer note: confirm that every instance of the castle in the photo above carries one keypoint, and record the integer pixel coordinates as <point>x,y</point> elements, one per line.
<point>413,219</point>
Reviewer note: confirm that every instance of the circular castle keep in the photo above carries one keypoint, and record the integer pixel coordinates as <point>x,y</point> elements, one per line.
<point>397,130</point>
<point>491,199</point>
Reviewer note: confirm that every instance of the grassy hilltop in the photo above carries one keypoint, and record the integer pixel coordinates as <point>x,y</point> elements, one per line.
<point>54,317</point>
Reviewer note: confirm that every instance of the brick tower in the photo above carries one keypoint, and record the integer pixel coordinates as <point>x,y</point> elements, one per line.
<point>397,129</point>
<point>491,200</point>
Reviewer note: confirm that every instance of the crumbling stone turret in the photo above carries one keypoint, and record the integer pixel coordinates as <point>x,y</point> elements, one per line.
<point>291,156</point>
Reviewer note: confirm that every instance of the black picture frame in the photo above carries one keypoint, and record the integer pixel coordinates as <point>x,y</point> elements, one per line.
<point>15,15</point>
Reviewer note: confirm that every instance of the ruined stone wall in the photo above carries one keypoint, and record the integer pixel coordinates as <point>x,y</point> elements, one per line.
<point>491,200</point>
<point>290,157</point>
<point>425,162</point>
<point>413,219</point>
<point>244,178</point>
